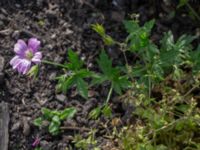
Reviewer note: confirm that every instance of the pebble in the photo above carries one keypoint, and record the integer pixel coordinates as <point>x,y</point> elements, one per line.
<point>52,76</point>
<point>16,34</point>
<point>61,97</point>
<point>26,126</point>
<point>18,5</point>
<point>53,36</point>
<point>49,47</point>
<point>68,32</point>
<point>16,126</point>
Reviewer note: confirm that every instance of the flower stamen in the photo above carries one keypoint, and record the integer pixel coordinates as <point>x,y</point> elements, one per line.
<point>29,54</point>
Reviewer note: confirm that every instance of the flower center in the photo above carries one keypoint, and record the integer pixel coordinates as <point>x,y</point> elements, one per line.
<point>29,54</point>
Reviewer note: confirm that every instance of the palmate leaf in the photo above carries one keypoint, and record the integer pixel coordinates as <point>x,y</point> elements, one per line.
<point>74,62</point>
<point>131,26</point>
<point>75,76</point>
<point>174,53</point>
<point>105,64</point>
<point>82,87</point>
<point>111,74</point>
<point>78,81</point>
<point>138,37</point>
<point>68,83</point>
<point>182,3</point>
<point>120,83</point>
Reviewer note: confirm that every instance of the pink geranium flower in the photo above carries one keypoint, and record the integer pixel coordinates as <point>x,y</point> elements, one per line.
<point>26,55</point>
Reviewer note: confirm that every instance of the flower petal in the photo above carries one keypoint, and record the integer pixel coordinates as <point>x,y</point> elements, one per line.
<point>20,47</point>
<point>14,60</point>
<point>24,66</point>
<point>37,58</point>
<point>33,44</point>
<point>17,63</point>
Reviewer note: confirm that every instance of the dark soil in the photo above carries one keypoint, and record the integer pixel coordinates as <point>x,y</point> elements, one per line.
<point>60,25</point>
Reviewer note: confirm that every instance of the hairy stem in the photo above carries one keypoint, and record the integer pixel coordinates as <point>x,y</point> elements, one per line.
<point>53,63</point>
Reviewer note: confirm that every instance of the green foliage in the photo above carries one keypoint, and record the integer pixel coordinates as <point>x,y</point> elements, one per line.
<point>33,72</point>
<point>159,83</point>
<point>173,54</point>
<point>96,112</point>
<point>138,37</point>
<point>192,13</point>
<point>111,74</point>
<point>182,3</point>
<point>54,118</point>
<point>75,76</point>
<point>87,143</point>
<point>154,63</point>
<point>195,61</point>
<point>172,121</point>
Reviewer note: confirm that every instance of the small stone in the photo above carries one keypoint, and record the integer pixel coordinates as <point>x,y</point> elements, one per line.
<point>16,126</point>
<point>68,32</point>
<point>16,34</point>
<point>50,47</point>
<point>18,5</point>
<point>52,76</point>
<point>61,97</point>
<point>66,25</point>
<point>53,36</point>
<point>26,126</point>
<point>90,65</point>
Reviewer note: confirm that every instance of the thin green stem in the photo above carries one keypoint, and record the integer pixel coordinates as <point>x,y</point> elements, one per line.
<point>109,94</point>
<point>53,63</point>
<point>193,11</point>
<point>191,90</point>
